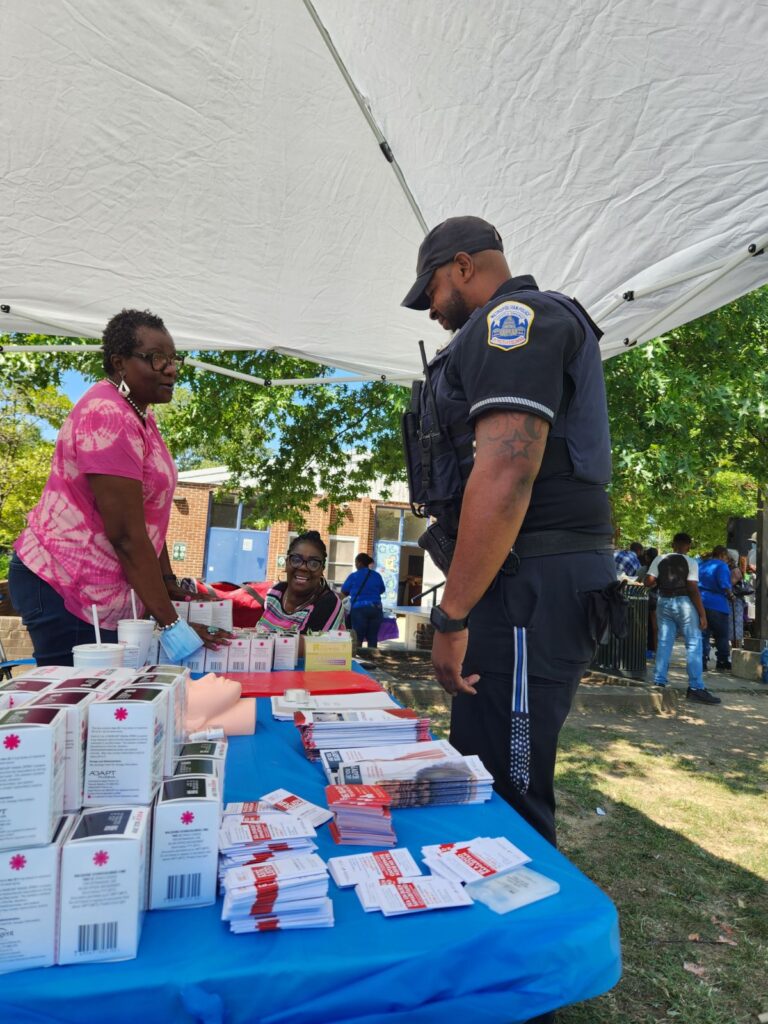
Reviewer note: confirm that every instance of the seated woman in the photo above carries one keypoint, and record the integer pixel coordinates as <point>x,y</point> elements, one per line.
<point>99,528</point>
<point>303,602</point>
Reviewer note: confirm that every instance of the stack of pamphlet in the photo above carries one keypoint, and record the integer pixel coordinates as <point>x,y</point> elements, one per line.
<point>387,865</point>
<point>290,803</point>
<point>473,859</point>
<point>414,775</point>
<point>431,752</point>
<point>412,895</point>
<point>321,730</point>
<point>288,893</point>
<point>242,839</point>
<point>361,815</point>
<point>283,708</point>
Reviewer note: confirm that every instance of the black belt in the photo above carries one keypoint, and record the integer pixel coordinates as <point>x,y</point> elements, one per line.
<point>559,542</point>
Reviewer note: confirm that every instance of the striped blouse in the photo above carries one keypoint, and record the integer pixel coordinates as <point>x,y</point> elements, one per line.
<point>324,613</point>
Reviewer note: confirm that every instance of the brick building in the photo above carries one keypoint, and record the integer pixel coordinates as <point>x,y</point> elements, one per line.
<point>207,538</point>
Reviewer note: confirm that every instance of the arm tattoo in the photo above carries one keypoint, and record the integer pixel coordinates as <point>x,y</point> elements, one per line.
<point>513,435</point>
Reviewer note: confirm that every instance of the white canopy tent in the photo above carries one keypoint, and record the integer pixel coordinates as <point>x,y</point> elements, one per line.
<point>229,165</point>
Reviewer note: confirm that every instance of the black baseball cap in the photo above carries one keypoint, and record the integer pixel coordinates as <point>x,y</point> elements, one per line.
<point>457,234</point>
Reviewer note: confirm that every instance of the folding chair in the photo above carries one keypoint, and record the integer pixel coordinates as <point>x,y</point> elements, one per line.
<point>7,667</point>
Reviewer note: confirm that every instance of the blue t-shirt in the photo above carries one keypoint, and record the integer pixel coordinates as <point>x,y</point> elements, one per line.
<point>364,590</point>
<point>714,581</point>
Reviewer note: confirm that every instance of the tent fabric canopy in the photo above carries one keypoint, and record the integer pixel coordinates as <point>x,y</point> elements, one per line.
<point>210,162</point>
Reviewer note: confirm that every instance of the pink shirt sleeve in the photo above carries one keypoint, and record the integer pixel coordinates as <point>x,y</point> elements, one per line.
<point>109,443</point>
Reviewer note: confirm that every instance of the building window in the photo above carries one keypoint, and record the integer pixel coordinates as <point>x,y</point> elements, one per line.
<point>341,559</point>
<point>224,510</point>
<point>388,524</point>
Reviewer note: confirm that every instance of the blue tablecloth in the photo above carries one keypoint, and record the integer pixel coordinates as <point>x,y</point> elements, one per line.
<point>433,968</point>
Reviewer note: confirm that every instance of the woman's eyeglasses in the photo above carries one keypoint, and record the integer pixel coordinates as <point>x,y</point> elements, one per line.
<point>159,360</point>
<point>313,564</point>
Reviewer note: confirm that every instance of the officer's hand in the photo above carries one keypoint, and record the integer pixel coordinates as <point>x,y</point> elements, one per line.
<point>702,622</point>
<point>448,650</point>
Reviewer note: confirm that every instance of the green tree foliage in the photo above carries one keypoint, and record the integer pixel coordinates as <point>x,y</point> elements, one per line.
<point>689,424</point>
<point>25,457</point>
<point>290,442</point>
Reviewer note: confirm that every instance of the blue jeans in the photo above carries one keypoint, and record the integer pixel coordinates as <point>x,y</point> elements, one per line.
<point>718,624</point>
<point>53,629</point>
<point>366,621</point>
<point>673,613</point>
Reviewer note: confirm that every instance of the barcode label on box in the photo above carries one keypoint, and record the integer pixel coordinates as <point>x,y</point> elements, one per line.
<point>238,665</point>
<point>95,938</point>
<point>183,887</point>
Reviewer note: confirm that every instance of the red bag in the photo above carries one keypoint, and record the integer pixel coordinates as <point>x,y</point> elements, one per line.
<point>247,599</point>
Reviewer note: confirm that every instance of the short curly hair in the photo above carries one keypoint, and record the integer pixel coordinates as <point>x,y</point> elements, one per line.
<point>310,537</point>
<point>119,338</point>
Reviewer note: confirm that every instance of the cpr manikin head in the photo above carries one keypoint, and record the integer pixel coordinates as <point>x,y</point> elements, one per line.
<point>215,702</point>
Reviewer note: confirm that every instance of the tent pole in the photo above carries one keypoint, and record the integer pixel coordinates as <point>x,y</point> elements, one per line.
<point>755,249</point>
<point>367,114</point>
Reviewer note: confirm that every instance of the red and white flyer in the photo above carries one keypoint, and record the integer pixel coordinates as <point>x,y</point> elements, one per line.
<point>474,859</point>
<point>413,896</point>
<point>363,867</point>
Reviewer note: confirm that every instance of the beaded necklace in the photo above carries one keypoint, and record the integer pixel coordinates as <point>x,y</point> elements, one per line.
<point>142,413</point>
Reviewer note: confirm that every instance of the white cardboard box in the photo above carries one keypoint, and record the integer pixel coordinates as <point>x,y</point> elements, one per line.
<point>286,651</point>
<point>216,661</point>
<point>221,614</point>
<point>182,609</point>
<point>185,843</point>
<point>262,652</point>
<point>174,679</point>
<point>195,662</point>
<point>239,654</point>
<point>32,743</point>
<point>29,902</point>
<point>85,684</point>
<point>126,746</point>
<point>104,878</point>
<point>75,703</point>
<point>15,693</point>
<point>200,766</point>
<point>201,611</point>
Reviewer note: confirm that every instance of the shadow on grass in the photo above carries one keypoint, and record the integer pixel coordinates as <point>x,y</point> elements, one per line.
<point>725,744</point>
<point>694,927</point>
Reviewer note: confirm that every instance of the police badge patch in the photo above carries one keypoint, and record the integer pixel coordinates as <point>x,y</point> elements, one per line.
<point>509,325</point>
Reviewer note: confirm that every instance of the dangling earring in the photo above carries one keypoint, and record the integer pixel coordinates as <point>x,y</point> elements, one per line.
<point>123,388</point>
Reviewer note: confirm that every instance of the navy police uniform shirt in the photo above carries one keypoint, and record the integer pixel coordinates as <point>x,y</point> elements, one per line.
<point>514,357</point>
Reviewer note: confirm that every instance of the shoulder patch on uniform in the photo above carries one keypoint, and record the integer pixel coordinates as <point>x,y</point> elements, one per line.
<point>509,325</point>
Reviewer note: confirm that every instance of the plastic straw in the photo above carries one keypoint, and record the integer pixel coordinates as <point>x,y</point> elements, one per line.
<point>96,623</point>
<point>133,603</point>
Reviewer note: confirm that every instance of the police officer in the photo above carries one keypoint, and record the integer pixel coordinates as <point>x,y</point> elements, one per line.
<point>510,450</point>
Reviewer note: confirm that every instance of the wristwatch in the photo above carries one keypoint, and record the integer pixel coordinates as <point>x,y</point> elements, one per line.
<point>443,624</point>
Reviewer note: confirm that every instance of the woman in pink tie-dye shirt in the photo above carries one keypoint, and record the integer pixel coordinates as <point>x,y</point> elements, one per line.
<point>99,527</point>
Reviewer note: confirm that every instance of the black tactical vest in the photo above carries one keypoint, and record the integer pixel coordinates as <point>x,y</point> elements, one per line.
<point>438,436</point>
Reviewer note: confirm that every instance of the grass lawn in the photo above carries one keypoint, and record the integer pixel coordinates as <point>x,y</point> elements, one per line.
<point>683,852</point>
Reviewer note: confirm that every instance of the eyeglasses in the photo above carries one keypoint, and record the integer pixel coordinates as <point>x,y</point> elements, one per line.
<point>313,564</point>
<point>159,360</point>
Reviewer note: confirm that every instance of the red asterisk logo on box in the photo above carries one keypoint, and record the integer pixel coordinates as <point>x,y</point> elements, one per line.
<point>121,714</point>
<point>100,858</point>
<point>11,741</point>
<point>187,818</point>
<point>18,861</point>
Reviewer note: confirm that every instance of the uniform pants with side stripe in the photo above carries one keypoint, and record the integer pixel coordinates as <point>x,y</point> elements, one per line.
<point>548,597</point>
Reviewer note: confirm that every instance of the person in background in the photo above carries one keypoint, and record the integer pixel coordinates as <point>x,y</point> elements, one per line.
<point>676,576</point>
<point>364,588</point>
<point>653,627</point>
<point>629,560</point>
<point>99,528</point>
<point>304,601</point>
<point>716,595</point>
<point>740,588</point>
